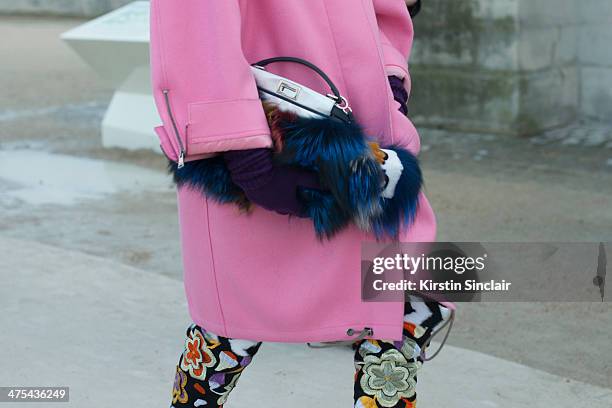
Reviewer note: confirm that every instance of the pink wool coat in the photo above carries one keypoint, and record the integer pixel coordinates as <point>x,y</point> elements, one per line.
<point>265,276</point>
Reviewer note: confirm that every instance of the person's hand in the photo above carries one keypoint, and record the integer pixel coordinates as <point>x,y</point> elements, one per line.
<point>273,187</point>
<point>280,193</point>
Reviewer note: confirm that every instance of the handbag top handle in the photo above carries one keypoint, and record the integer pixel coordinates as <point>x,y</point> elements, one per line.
<point>310,65</point>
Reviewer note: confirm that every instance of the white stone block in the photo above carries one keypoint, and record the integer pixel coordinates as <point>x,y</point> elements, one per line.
<point>129,120</point>
<point>116,45</point>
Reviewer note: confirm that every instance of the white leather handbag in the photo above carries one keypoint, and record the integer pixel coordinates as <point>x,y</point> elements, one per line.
<point>300,99</point>
<point>291,96</point>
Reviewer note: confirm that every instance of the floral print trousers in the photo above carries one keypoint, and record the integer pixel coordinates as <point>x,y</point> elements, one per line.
<point>385,371</point>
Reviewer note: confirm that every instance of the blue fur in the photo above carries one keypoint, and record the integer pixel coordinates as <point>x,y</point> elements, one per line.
<point>209,176</point>
<point>348,170</point>
<point>212,178</point>
<point>339,152</point>
<point>327,216</point>
<point>399,211</point>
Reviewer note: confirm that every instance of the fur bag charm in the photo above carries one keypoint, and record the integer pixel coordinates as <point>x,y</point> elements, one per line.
<point>374,188</point>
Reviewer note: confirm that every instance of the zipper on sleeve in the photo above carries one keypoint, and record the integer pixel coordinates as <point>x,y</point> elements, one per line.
<point>181,156</point>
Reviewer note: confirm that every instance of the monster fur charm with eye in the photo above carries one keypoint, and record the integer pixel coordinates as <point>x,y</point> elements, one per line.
<point>374,188</point>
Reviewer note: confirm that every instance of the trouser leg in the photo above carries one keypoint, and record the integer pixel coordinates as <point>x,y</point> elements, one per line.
<point>386,371</point>
<point>209,368</point>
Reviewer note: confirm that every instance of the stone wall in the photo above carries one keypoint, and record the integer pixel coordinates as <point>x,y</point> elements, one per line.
<point>502,66</point>
<point>513,67</point>
<point>595,55</point>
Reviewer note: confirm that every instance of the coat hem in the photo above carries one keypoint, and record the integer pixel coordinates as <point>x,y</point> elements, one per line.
<point>392,332</point>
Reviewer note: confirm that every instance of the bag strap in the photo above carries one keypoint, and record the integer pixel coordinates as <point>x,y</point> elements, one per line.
<point>310,65</point>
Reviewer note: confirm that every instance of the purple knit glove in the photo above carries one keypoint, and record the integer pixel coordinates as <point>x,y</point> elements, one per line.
<point>273,187</point>
<point>399,92</point>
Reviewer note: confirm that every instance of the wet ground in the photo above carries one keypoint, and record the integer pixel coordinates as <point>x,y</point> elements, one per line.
<point>60,187</point>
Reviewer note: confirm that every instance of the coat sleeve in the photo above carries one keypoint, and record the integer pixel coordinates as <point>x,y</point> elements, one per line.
<point>202,83</point>
<point>396,35</point>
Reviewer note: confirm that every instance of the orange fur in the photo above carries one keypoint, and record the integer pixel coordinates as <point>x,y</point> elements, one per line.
<point>274,115</point>
<point>378,153</point>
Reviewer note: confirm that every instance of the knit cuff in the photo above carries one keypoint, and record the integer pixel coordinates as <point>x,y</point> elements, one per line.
<point>250,169</point>
<point>399,92</point>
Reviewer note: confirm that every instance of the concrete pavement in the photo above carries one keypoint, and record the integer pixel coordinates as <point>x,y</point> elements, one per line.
<point>113,333</point>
